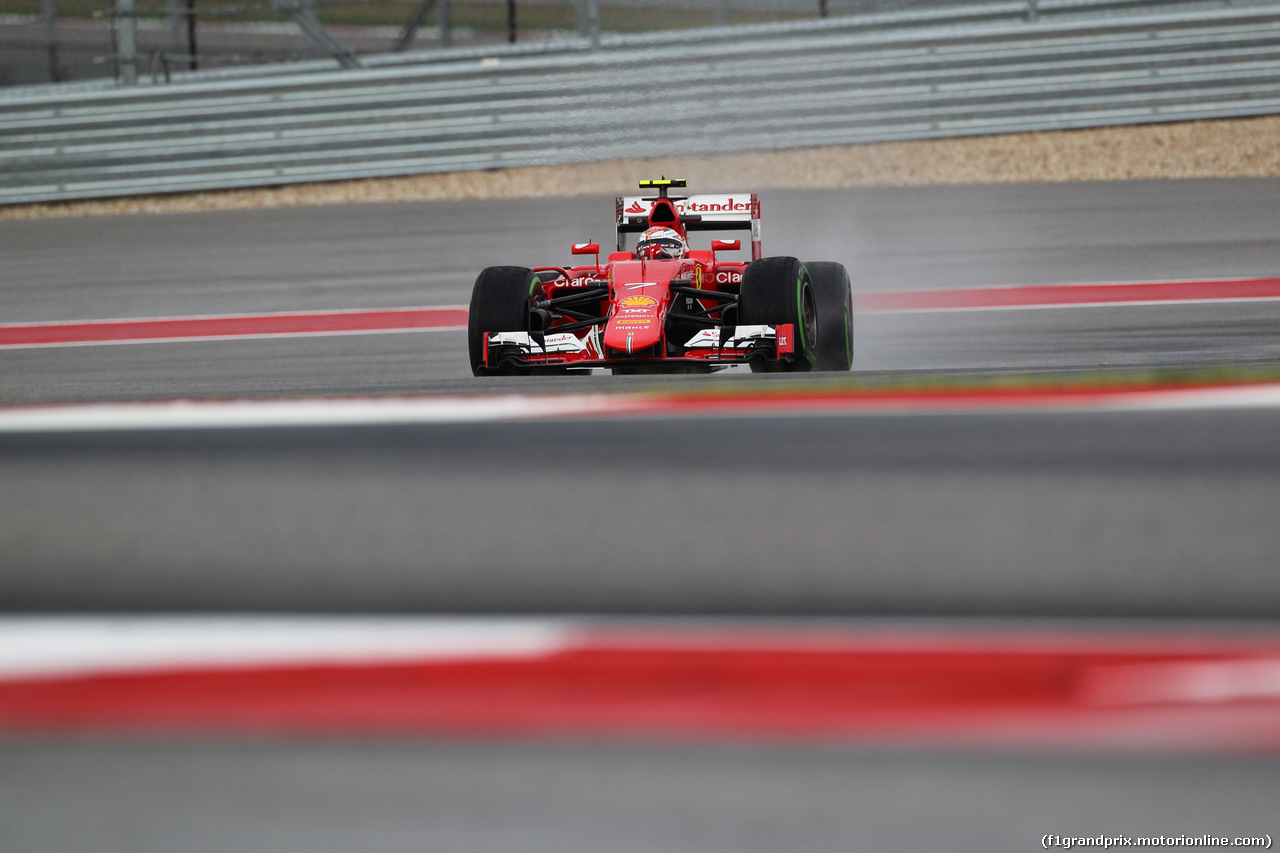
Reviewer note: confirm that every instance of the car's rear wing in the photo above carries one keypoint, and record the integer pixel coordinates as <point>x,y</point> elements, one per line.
<point>729,212</point>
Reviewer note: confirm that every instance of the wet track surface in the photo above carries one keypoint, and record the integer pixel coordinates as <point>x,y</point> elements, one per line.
<point>1081,515</point>
<point>400,255</point>
<point>429,254</point>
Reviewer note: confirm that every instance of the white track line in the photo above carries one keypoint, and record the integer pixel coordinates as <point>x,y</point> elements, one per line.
<point>257,336</point>
<point>242,315</point>
<point>1228,397</point>
<point>194,414</point>
<point>1058,306</point>
<point>80,645</point>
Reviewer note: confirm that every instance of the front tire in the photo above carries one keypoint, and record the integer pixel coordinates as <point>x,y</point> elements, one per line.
<point>777,291</point>
<point>499,303</point>
<point>834,298</point>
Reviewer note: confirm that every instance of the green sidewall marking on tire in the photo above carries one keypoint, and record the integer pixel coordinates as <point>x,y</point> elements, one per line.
<point>800,309</point>
<point>848,311</point>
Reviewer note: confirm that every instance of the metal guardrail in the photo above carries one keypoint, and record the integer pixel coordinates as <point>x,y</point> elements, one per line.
<point>870,14</point>
<point>731,89</point>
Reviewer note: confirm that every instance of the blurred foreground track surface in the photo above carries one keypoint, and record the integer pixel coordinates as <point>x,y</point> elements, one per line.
<point>1104,513</point>
<point>155,795</point>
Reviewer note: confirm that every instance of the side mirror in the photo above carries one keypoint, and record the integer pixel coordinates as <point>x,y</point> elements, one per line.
<point>588,249</point>
<point>725,245</point>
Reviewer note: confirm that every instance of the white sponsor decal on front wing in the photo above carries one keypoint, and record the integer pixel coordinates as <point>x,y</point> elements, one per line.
<point>742,336</point>
<point>563,342</point>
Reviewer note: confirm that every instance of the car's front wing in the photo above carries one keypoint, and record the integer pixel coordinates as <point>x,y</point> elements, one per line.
<point>715,346</point>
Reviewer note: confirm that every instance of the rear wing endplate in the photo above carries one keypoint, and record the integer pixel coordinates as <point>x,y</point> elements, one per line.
<point>729,212</point>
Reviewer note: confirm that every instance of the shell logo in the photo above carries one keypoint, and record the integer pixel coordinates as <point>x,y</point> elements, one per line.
<point>638,302</point>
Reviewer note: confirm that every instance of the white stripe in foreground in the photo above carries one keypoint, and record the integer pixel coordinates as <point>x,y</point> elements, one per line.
<point>197,414</point>
<point>47,646</point>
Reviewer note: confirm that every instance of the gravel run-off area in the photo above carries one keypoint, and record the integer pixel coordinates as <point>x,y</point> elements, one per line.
<point>1210,149</point>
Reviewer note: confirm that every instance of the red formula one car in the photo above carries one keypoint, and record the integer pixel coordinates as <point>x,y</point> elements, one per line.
<point>662,306</point>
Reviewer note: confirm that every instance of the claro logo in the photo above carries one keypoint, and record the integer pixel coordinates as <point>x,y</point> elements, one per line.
<point>728,278</point>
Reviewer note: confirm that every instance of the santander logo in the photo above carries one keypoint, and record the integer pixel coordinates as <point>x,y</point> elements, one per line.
<point>727,206</point>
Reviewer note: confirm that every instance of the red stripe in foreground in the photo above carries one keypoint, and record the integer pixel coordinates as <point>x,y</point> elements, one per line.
<point>1018,692</point>
<point>1070,294</point>
<point>177,328</point>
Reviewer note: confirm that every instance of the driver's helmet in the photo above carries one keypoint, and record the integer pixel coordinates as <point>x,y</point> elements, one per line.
<point>661,244</point>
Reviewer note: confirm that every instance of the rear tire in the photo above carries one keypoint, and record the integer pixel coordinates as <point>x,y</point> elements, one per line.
<point>499,303</point>
<point>834,298</point>
<point>777,291</point>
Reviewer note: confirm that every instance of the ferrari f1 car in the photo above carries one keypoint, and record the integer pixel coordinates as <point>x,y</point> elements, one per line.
<point>663,306</point>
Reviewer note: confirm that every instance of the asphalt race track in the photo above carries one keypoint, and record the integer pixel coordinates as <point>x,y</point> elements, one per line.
<point>428,254</point>
<point>1128,514</point>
